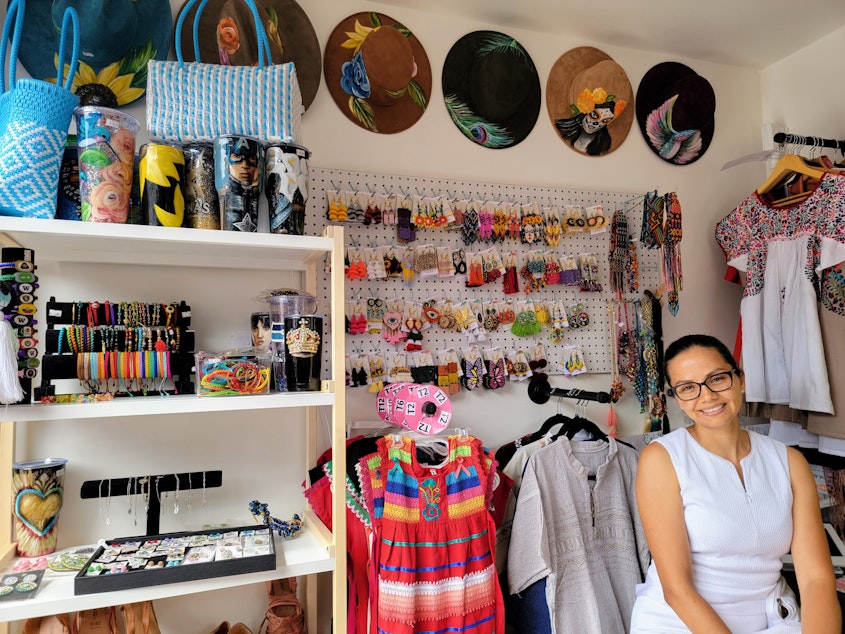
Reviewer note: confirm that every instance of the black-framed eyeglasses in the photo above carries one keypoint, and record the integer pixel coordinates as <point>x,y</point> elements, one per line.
<point>690,390</point>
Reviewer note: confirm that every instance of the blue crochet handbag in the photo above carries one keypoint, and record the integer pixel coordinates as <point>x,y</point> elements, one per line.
<point>34,120</point>
<point>194,101</point>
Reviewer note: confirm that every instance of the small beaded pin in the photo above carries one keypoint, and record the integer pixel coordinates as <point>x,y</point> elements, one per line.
<point>284,529</point>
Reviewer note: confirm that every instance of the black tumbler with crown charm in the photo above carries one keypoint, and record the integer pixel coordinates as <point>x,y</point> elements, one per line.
<point>303,352</point>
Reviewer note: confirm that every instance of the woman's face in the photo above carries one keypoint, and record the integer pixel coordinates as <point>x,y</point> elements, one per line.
<point>710,409</point>
<point>261,335</point>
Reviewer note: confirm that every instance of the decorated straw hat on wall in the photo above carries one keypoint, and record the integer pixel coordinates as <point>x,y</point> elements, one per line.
<point>491,89</point>
<point>589,99</point>
<point>676,112</point>
<point>117,39</point>
<point>226,35</point>
<point>377,72</point>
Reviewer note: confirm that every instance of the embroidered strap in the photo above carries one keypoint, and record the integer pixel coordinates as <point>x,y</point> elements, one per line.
<point>673,278</point>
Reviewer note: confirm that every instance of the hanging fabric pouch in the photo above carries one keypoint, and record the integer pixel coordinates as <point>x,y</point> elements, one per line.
<point>196,101</point>
<point>34,120</point>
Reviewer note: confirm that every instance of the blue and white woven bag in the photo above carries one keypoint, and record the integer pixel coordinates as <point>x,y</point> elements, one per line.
<point>194,101</point>
<point>34,120</point>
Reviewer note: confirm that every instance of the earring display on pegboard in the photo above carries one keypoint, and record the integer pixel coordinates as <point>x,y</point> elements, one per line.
<point>18,283</point>
<point>503,266</point>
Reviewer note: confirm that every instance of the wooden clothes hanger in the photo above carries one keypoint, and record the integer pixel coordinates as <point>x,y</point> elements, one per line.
<point>786,165</point>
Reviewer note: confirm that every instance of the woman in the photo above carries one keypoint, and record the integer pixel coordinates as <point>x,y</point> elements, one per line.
<point>720,506</point>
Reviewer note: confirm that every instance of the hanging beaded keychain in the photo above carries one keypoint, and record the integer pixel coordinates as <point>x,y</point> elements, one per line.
<point>651,234</point>
<point>284,529</point>
<point>673,277</point>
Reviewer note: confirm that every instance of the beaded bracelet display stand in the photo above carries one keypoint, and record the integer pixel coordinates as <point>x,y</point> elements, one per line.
<point>284,529</point>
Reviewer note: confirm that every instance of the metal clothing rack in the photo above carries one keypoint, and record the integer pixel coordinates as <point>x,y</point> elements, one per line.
<point>812,141</point>
<point>539,391</point>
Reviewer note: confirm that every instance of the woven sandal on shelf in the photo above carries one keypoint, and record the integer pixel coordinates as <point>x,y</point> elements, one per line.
<point>96,621</point>
<point>53,624</point>
<point>140,618</point>
<point>284,612</point>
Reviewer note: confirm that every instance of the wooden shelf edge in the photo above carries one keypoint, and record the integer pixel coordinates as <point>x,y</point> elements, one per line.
<point>153,406</point>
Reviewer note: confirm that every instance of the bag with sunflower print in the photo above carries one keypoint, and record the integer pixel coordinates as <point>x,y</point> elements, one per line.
<point>195,101</point>
<point>34,120</point>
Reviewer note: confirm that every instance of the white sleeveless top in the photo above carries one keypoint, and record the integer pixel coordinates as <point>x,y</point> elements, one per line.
<point>737,533</point>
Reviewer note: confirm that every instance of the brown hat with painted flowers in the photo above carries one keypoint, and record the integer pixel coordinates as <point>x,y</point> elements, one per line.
<point>377,72</point>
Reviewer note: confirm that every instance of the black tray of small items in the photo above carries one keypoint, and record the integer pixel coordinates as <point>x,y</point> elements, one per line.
<point>150,560</point>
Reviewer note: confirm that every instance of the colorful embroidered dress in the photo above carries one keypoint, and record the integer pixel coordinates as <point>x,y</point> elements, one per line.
<point>783,250</point>
<point>434,540</point>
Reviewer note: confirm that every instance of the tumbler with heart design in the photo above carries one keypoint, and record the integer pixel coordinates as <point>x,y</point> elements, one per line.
<point>38,494</point>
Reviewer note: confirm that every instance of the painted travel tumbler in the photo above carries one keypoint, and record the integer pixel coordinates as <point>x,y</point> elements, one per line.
<point>303,352</point>
<point>106,140</point>
<point>37,495</point>
<point>238,162</point>
<point>286,186</point>
<point>161,172</point>
<point>202,209</point>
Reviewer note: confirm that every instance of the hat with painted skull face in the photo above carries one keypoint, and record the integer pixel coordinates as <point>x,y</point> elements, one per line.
<point>589,100</point>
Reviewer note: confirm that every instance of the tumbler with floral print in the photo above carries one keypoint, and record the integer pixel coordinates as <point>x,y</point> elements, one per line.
<point>106,140</point>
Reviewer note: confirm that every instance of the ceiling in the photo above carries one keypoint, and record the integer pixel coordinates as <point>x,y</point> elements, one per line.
<point>751,33</point>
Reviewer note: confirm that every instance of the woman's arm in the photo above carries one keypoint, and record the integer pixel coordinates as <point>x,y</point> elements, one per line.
<point>662,513</point>
<point>820,611</point>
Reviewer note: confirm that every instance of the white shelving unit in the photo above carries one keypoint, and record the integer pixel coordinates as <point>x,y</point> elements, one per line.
<point>317,549</point>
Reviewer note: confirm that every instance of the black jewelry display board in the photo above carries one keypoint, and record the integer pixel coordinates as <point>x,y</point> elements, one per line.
<point>96,328</point>
<point>164,549</point>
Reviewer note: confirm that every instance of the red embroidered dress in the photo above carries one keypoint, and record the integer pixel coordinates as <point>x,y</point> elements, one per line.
<point>434,540</point>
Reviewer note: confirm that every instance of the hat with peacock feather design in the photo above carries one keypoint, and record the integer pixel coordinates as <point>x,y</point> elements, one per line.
<point>676,112</point>
<point>227,36</point>
<point>491,89</point>
<point>377,72</point>
<point>589,100</point>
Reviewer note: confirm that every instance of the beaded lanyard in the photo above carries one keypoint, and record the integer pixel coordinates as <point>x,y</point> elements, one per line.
<point>614,323</point>
<point>616,387</point>
<point>638,339</point>
<point>651,234</point>
<point>619,245</point>
<point>655,404</point>
<point>673,278</point>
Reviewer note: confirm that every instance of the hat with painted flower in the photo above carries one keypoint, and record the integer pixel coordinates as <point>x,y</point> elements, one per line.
<point>377,72</point>
<point>117,39</point>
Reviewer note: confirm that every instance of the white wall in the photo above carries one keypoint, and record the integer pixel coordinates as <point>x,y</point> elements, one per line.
<point>803,92</point>
<point>433,147</point>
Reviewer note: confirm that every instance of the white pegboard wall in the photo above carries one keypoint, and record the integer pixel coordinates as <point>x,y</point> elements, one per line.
<point>592,340</point>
